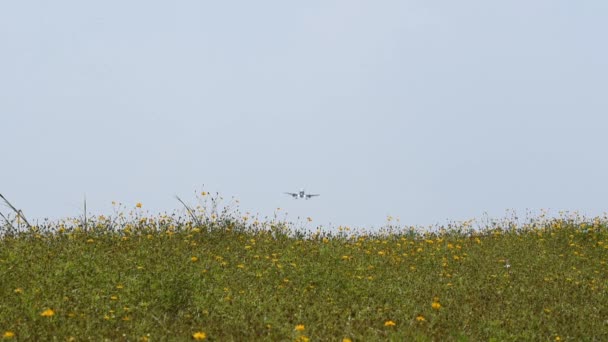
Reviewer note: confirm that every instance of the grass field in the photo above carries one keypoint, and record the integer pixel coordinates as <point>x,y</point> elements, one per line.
<point>226,278</point>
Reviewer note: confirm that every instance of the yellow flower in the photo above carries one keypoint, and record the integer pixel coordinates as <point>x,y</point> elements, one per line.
<point>194,259</point>
<point>300,327</point>
<point>47,313</point>
<point>138,205</point>
<point>389,324</point>
<point>346,339</point>
<point>436,305</point>
<point>199,335</point>
<point>420,318</point>
<point>8,334</point>
<point>18,290</point>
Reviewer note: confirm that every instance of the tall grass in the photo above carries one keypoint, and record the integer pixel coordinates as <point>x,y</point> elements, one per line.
<point>229,278</point>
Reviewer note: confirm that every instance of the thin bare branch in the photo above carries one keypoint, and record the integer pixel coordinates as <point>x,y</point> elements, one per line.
<point>19,213</point>
<point>8,222</point>
<point>190,211</point>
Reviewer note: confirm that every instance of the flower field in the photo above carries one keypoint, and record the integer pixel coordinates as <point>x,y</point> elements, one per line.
<point>226,278</point>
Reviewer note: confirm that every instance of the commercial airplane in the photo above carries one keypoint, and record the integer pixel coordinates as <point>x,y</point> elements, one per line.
<point>301,194</point>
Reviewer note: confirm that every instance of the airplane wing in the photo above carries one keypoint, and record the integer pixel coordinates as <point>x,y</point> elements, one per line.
<point>312,195</point>
<point>292,194</point>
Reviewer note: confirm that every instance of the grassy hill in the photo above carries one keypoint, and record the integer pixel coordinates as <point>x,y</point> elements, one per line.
<point>168,278</point>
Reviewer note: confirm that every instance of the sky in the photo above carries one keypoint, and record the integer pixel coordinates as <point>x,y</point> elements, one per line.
<point>424,110</point>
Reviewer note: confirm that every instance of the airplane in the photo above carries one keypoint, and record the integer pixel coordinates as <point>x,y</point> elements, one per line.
<point>301,194</point>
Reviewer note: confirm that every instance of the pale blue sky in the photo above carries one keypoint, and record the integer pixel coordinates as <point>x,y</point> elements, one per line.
<point>424,110</point>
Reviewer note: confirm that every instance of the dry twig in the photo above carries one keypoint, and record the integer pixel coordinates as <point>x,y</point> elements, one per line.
<point>19,212</point>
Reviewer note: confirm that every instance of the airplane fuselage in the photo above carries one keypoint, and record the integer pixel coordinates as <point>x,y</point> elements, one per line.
<point>301,194</point>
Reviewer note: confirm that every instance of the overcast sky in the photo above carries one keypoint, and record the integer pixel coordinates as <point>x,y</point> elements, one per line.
<point>424,110</point>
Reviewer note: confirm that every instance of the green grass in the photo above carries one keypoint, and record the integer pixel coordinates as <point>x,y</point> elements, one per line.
<point>164,279</point>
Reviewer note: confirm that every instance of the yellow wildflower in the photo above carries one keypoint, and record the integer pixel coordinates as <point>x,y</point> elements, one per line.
<point>420,318</point>
<point>138,205</point>
<point>18,290</point>
<point>389,324</point>
<point>47,313</point>
<point>199,335</point>
<point>346,339</point>
<point>194,259</point>
<point>8,334</point>
<point>436,305</point>
<point>299,327</point>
